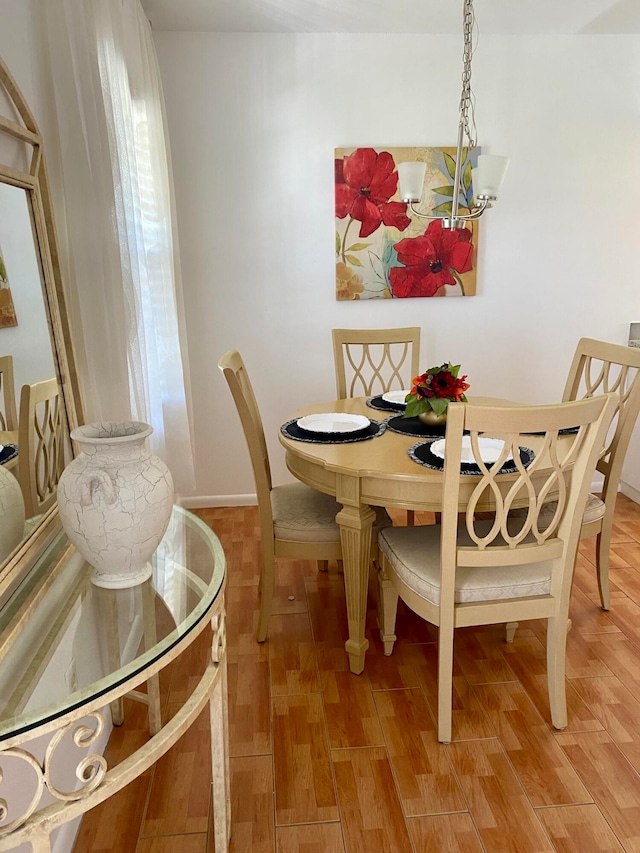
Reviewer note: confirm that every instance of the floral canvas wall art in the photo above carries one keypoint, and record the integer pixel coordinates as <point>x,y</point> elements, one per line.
<point>7,311</point>
<point>382,250</point>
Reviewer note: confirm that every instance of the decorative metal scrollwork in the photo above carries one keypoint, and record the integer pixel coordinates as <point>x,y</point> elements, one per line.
<point>219,639</point>
<point>90,770</point>
<point>29,760</point>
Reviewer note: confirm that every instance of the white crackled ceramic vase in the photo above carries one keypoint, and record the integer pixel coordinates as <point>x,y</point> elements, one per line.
<point>11,513</point>
<point>115,501</point>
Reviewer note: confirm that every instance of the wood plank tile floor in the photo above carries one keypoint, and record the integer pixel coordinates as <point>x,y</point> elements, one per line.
<point>326,762</point>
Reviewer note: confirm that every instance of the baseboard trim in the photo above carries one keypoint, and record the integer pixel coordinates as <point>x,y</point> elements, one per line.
<point>203,501</point>
<point>630,491</point>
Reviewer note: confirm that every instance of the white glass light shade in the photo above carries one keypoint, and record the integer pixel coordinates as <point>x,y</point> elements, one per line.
<point>488,176</point>
<point>411,180</point>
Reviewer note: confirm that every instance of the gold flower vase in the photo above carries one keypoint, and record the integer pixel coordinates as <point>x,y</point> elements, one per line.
<point>431,419</point>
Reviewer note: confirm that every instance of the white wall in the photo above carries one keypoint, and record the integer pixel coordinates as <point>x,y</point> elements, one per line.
<point>18,20</point>
<point>19,47</point>
<point>254,119</point>
<point>29,342</point>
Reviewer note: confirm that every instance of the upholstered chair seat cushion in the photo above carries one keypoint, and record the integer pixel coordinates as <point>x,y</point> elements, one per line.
<point>593,511</point>
<point>302,514</point>
<point>414,553</point>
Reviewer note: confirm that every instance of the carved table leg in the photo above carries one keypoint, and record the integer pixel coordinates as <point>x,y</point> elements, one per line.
<point>355,534</point>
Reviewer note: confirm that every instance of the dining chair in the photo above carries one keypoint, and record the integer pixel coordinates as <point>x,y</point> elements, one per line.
<point>296,521</point>
<point>599,367</point>
<point>378,361</point>
<point>489,571</point>
<point>41,443</point>
<point>8,413</point>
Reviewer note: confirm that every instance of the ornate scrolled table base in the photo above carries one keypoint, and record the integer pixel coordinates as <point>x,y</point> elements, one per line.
<point>23,818</point>
<point>99,783</point>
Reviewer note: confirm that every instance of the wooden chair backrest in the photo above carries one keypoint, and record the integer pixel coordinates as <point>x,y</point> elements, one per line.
<point>235,373</point>
<point>599,368</point>
<point>41,432</point>
<point>563,464</point>
<point>8,413</point>
<point>379,360</point>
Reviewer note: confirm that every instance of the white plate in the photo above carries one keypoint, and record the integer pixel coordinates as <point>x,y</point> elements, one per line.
<point>329,422</point>
<point>490,449</point>
<point>396,397</point>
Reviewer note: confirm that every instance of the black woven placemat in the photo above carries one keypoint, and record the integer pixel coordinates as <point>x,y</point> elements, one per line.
<point>292,430</point>
<point>385,405</point>
<point>8,452</point>
<point>421,453</point>
<point>414,426</point>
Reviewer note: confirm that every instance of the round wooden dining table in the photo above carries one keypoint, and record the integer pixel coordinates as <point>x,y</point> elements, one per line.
<point>375,472</point>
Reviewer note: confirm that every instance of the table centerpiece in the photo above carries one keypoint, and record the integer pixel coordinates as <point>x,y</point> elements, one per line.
<point>432,392</point>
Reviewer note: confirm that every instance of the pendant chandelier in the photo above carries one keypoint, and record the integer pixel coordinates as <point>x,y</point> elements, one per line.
<point>487,177</point>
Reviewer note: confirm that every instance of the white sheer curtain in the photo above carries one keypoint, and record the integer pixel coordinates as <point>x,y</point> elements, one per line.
<point>118,220</point>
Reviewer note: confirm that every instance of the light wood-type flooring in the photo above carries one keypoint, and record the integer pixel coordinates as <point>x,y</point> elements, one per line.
<point>323,761</point>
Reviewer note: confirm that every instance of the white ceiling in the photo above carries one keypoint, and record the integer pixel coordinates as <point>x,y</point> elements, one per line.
<point>509,17</point>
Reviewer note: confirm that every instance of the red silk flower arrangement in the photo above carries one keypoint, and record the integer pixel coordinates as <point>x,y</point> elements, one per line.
<point>435,389</point>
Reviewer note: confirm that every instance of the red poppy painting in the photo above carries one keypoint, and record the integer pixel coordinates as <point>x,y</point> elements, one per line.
<point>383,250</point>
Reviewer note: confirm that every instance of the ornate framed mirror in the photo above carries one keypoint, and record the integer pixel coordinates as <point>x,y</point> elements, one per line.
<point>35,343</point>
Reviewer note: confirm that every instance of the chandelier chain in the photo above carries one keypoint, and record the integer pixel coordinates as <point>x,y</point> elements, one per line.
<point>466,98</point>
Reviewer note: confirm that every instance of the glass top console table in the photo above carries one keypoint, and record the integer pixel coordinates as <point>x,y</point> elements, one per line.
<point>69,654</point>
